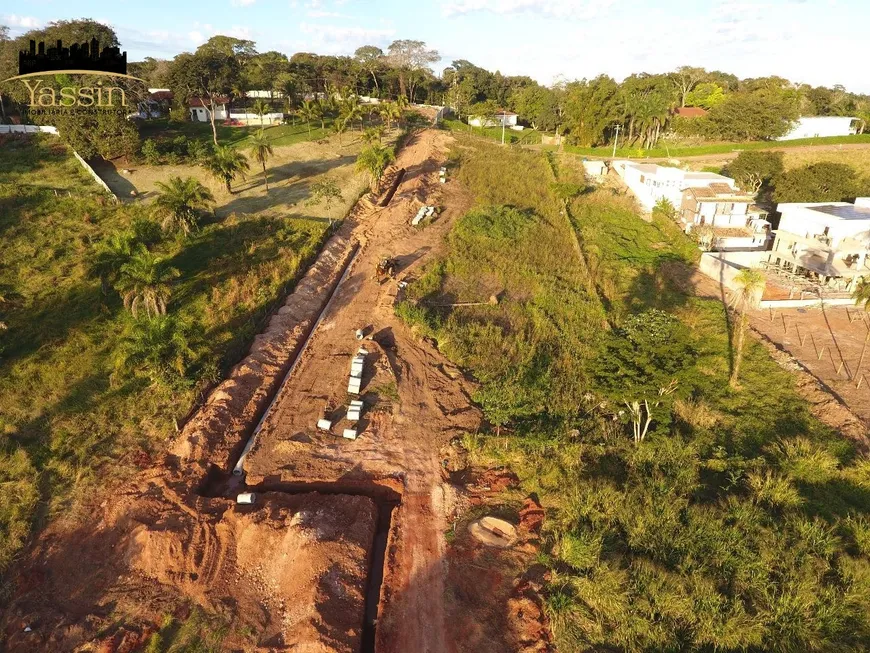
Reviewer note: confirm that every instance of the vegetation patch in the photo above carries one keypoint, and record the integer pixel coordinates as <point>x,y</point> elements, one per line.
<point>683,514</point>
<point>88,391</point>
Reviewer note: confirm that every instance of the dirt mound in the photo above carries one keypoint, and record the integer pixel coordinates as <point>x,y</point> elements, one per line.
<point>223,424</point>
<point>292,568</point>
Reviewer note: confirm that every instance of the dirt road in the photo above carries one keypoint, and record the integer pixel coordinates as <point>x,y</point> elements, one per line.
<point>415,401</point>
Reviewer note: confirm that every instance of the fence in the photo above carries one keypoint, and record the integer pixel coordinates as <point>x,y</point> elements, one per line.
<point>268,118</point>
<point>28,129</point>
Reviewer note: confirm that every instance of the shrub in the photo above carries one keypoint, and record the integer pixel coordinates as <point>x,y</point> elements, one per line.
<point>804,461</point>
<point>151,152</point>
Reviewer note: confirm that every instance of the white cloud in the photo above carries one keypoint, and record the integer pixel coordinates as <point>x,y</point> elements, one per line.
<point>242,3</point>
<point>334,39</point>
<point>574,9</point>
<point>319,13</point>
<point>21,22</point>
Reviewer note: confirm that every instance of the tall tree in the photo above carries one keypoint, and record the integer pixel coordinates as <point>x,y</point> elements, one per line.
<point>685,78</point>
<point>210,74</point>
<point>592,108</point>
<point>750,286</point>
<point>180,203</point>
<point>261,148</point>
<point>226,164</point>
<point>370,59</point>
<point>406,55</point>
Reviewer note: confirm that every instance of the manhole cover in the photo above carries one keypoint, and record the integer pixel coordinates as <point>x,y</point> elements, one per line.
<point>493,532</point>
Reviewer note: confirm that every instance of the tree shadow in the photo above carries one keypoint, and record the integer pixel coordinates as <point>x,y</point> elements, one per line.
<point>53,317</point>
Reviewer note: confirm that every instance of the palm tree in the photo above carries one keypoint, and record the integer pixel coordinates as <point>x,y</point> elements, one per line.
<point>262,150</point>
<point>322,109</point>
<point>225,164</point>
<point>374,160</point>
<point>373,135</point>
<point>179,203</point>
<point>391,112</point>
<point>109,257</point>
<point>144,282</point>
<point>158,348</point>
<point>861,294</point>
<point>308,113</point>
<point>261,108</point>
<point>339,127</point>
<point>750,288</point>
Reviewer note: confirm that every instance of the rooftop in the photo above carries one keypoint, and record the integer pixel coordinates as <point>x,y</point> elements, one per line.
<point>844,212</point>
<point>720,191</point>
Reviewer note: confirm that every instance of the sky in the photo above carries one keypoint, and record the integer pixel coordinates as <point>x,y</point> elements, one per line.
<point>819,42</point>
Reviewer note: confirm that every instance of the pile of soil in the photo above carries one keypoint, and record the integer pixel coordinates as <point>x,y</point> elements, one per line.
<point>292,569</point>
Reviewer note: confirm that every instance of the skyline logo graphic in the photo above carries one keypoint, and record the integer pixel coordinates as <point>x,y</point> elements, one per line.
<point>79,58</point>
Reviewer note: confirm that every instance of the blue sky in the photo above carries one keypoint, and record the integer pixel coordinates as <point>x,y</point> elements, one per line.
<point>813,41</point>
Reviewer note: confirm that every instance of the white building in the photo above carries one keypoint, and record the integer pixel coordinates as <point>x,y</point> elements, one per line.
<point>502,118</point>
<point>199,113</point>
<point>650,182</point>
<point>830,240</point>
<point>595,169</point>
<point>821,126</point>
<point>734,221</point>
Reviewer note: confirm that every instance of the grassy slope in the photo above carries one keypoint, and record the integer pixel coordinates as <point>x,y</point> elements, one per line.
<point>741,524</point>
<point>63,417</point>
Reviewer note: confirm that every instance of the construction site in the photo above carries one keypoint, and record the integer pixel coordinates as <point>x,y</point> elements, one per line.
<point>308,497</point>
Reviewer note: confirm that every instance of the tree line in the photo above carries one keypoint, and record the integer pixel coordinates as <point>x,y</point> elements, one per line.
<point>587,112</point>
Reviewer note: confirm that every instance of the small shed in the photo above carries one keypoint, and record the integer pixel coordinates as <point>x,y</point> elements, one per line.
<point>596,170</point>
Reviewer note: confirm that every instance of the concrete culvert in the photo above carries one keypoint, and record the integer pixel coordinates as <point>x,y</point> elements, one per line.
<point>493,531</point>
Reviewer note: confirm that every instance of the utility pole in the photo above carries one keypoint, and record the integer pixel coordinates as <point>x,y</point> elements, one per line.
<point>615,141</point>
<point>503,113</point>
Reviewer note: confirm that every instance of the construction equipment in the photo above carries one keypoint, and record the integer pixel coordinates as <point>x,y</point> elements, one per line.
<point>386,269</point>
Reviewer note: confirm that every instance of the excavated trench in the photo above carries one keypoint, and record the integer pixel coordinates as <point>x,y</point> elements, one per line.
<point>386,494</point>
<point>387,497</point>
<point>393,188</point>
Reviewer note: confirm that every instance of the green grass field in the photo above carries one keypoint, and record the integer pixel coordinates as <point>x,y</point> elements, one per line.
<point>164,129</point>
<point>739,522</point>
<point>714,148</point>
<point>526,137</point>
<point>68,421</point>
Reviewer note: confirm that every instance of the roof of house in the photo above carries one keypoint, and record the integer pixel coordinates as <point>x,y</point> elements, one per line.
<point>204,102</point>
<point>844,211</point>
<point>720,192</point>
<point>161,95</point>
<point>691,112</point>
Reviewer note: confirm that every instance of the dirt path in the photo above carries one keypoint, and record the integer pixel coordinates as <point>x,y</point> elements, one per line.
<point>415,400</point>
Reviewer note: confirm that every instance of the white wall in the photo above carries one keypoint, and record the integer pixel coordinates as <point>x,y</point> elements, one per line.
<point>650,182</point>
<point>27,129</point>
<point>820,127</point>
<point>493,121</point>
<point>200,114</point>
